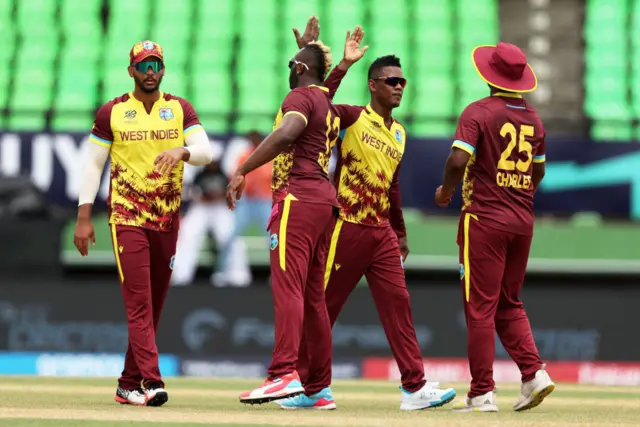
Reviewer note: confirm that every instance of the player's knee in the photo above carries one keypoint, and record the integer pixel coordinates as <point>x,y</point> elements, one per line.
<point>481,321</point>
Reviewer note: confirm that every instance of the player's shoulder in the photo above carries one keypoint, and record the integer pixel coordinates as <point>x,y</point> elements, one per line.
<point>182,101</point>
<point>108,106</point>
<point>476,109</point>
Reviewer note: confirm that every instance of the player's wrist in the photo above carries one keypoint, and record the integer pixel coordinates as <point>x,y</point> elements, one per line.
<point>186,154</point>
<point>345,64</point>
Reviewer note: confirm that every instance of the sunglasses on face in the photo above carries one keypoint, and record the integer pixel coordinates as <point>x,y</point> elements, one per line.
<point>143,67</point>
<point>293,62</point>
<point>393,81</point>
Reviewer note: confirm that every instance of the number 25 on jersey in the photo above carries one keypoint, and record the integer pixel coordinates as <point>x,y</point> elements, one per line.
<point>507,177</point>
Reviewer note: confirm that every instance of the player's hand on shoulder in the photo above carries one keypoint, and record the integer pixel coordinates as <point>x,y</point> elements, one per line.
<point>404,247</point>
<point>352,50</point>
<point>311,33</point>
<point>235,189</point>
<point>166,161</point>
<point>443,199</point>
<point>82,234</point>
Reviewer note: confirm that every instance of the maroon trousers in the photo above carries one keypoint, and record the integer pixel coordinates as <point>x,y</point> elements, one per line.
<point>144,259</point>
<point>357,250</point>
<point>300,234</point>
<point>492,269</point>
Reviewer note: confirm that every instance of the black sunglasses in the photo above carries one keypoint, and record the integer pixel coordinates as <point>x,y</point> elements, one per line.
<point>393,81</point>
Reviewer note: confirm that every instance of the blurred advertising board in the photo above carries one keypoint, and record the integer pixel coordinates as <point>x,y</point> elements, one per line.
<point>204,324</point>
<point>581,175</point>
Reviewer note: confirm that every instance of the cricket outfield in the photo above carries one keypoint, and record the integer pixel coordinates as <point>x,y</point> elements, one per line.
<point>70,402</point>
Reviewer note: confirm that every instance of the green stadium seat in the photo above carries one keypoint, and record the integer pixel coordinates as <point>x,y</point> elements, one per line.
<point>6,9</point>
<point>257,96</point>
<point>76,91</point>
<point>25,122</point>
<point>433,129</point>
<point>352,13</point>
<point>81,19</point>
<point>434,97</point>
<point>258,21</point>
<point>435,13</point>
<point>8,36</point>
<point>31,98</point>
<point>221,12</point>
<point>611,131</point>
<point>213,93</point>
<point>216,124</point>
<point>175,83</point>
<point>245,125</point>
<point>72,122</point>
<point>296,13</point>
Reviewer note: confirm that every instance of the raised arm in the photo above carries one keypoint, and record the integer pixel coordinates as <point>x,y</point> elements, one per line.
<point>296,110</point>
<point>352,54</point>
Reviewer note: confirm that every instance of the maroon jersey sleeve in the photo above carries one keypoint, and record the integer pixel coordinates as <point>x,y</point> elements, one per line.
<point>349,114</point>
<point>396,219</point>
<point>541,153</point>
<point>468,131</point>
<point>190,116</point>
<point>333,81</point>
<point>101,132</point>
<point>298,101</point>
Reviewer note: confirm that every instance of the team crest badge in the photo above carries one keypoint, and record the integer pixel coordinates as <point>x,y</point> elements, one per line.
<point>274,241</point>
<point>166,113</point>
<point>147,45</point>
<point>461,271</point>
<point>399,136</point>
<point>173,260</point>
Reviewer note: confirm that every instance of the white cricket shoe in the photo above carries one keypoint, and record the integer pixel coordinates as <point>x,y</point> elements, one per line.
<point>483,403</point>
<point>130,397</point>
<point>533,392</point>
<point>429,396</point>
<point>155,395</point>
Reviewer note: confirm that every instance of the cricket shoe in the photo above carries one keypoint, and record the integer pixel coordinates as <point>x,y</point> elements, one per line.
<point>155,395</point>
<point>322,401</point>
<point>533,392</point>
<point>483,403</point>
<point>287,386</point>
<point>130,397</point>
<point>429,396</point>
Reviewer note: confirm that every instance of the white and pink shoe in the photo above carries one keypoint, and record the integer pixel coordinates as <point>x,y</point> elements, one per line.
<point>280,388</point>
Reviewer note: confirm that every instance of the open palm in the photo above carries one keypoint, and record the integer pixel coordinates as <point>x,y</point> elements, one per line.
<point>352,50</point>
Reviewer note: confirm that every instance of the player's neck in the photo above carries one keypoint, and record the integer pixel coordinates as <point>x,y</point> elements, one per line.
<point>304,82</point>
<point>147,99</point>
<point>383,112</point>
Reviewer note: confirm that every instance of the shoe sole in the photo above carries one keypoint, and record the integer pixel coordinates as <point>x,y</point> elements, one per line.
<point>329,407</point>
<point>446,399</point>
<point>259,400</point>
<point>159,399</point>
<point>538,397</point>
<point>483,408</point>
<point>123,401</point>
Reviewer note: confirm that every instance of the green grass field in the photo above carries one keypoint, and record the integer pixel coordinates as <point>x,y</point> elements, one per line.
<point>87,402</point>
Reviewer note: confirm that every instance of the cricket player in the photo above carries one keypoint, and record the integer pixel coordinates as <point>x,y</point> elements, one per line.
<point>499,150</point>
<point>370,238</point>
<point>304,211</point>
<point>144,132</point>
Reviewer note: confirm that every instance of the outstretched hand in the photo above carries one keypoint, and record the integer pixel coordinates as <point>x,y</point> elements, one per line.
<point>235,190</point>
<point>352,50</point>
<point>311,33</point>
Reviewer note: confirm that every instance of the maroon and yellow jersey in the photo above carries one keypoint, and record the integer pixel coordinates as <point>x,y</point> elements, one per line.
<point>368,165</point>
<point>139,196</point>
<point>302,169</point>
<point>504,136</point>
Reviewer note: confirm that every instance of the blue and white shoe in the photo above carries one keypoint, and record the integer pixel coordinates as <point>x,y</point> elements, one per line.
<point>429,396</point>
<point>322,401</point>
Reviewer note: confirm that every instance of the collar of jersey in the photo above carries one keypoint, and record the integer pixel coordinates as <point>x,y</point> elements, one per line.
<point>137,100</point>
<point>508,95</point>
<point>325,89</point>
<point>378,117</point>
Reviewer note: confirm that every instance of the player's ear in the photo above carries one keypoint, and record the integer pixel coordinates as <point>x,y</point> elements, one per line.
<point>372,85</point>
<point>130,69</point>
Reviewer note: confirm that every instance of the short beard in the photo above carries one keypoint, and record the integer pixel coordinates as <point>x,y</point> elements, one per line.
<point>140,84</point>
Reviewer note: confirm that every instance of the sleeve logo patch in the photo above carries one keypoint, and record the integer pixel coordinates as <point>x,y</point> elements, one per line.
<point>461,271</point>
<point>172,262</point>
<point>274,241</point>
